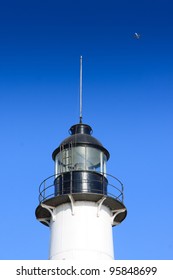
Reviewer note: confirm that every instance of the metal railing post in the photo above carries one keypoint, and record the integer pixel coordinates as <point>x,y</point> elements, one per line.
<point>122,193</point>
<point>44,190</point>
<point>70,181</point>
<point>62,183</point>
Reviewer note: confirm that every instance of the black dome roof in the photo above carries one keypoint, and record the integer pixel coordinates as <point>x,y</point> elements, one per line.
<point>81,135</point>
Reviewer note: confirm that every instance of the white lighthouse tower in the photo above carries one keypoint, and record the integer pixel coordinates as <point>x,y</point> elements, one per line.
<point>80,202</point>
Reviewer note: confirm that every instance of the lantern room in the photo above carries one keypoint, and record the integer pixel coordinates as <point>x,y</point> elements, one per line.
<point>80,163</point>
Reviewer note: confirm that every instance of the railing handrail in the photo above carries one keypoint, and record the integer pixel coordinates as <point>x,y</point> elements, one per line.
<point>45,186</point>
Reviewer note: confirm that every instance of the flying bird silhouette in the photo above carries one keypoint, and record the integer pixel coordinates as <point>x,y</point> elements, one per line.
<point>137,35</point>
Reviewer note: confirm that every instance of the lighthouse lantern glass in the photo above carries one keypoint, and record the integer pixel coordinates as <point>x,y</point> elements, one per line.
<point>80,158</point>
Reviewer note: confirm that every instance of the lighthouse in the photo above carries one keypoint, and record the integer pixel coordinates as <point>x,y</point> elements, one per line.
<point>81,202</point>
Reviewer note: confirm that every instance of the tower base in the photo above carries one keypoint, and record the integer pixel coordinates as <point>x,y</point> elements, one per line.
<point>81,230</point>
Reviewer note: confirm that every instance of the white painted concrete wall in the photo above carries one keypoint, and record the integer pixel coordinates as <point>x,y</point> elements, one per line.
<point>85,234</point>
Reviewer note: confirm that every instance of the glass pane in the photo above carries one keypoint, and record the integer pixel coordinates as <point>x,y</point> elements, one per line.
<point>104,164</point>
<point>80,158</point>
<point>63,161</point>
<point>93,159</point>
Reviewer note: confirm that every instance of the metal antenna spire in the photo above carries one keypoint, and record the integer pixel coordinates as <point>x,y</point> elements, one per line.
<point>80,89</point>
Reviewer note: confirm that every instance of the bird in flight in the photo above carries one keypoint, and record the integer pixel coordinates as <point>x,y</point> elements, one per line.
<point>137,35</point>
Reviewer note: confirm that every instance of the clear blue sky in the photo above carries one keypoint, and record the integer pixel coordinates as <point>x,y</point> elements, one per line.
<point>128,101</point>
